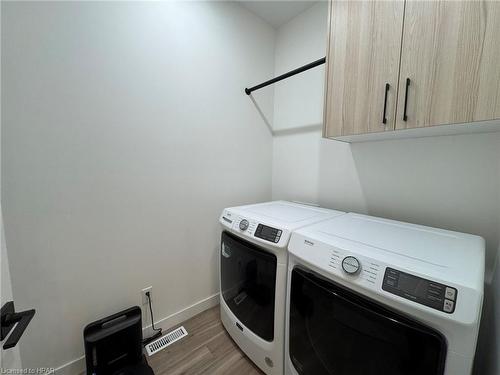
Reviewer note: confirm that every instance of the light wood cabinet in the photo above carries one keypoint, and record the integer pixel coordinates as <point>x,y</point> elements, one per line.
<point>440,58</point>
<point>451,54</point>
<point>363,66</point>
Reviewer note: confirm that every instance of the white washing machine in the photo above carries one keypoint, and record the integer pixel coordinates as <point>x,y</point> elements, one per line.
<point>253,264</point>
<point>369,296</point>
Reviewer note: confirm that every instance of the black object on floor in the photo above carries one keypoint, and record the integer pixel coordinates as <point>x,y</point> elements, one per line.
<point>113,345</point>
<point>10,319</point>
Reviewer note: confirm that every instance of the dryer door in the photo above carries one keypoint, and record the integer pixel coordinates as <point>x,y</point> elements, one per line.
<point>334,331</point>
<point>248,284</point>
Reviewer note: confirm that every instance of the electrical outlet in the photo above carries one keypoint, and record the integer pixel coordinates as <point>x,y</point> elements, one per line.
<point>145,300</point>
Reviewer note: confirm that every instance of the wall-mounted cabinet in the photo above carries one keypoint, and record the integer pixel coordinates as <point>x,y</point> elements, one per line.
<point>409,64</point>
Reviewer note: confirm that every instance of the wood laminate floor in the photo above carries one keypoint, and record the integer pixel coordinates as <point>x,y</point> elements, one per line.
<point>208,349</point>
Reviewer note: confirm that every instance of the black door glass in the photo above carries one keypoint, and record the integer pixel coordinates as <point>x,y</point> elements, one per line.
<point>248,282</point>
<point>334,331</point>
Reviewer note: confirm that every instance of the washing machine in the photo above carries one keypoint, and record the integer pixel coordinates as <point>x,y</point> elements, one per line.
<point>253,264</point>
<point>370,296</point>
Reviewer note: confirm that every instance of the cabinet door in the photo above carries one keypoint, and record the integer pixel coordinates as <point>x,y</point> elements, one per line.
<point>451,54</point>
<point>363,56</point>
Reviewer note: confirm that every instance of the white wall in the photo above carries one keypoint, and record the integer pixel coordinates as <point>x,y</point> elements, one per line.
<point>299,42</point>
<point>10,358</point>
<point>488,353</point>
<point>493,331</point>
<point>298,106</point>
<point>450,182</point>
<point>125,132</point>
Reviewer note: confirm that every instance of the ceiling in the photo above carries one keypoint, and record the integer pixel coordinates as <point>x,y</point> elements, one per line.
<point>277,13</point>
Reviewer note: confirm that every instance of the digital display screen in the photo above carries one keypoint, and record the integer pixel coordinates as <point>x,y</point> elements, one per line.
<point>268,231</point>
<point>413,285</point>
<point>427,292</point>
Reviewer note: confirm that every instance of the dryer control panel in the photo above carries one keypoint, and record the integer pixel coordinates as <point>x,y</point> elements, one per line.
<point>268,233</point>
<point>426,292</point>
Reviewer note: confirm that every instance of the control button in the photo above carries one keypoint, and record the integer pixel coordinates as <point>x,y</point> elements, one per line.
<point>435,292</point>
<point>450,293</point>
<point>436,286</point>
<point>351,265</point>
<point>448,305</point>
<point>434,298</point>
<point>244,224</point>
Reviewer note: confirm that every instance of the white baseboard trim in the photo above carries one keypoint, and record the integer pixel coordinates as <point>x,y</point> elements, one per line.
<point>185,314</point>
<point>74,367</point>
<point>77,366</point>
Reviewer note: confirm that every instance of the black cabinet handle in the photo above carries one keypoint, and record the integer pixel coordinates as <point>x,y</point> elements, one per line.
<point>9,318</point>
<point>405,117</point>
<point>384,118</point>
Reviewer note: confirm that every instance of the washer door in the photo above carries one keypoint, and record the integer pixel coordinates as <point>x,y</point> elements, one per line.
<point>334,331</point>
<point>248,284</point>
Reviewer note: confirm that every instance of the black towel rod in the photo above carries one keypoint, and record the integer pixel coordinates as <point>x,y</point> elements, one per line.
<point>248,91</point>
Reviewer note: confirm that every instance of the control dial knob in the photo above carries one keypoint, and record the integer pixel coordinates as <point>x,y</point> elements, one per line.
<point>244,224</point>
<point>351,265</point>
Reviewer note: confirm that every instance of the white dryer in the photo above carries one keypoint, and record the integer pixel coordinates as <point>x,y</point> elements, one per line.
<point>370,296</point>
<point>253,264</point>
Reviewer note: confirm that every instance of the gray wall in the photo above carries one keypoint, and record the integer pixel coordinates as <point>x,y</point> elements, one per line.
<point>125,133</point>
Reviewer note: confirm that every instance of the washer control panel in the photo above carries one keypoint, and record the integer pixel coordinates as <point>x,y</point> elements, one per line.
<point>426,292</point>
<point>244,224</point>
<point>351,265</point>
<point>268,233</point>
<point>356,268</point>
